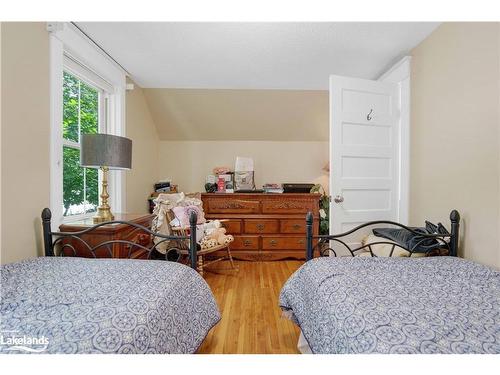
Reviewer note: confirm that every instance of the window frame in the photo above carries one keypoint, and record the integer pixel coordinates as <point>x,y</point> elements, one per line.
<point>86,78</point>
<point>74,52</point>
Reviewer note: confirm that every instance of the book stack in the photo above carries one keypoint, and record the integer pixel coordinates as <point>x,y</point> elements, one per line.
<point>273,188</point>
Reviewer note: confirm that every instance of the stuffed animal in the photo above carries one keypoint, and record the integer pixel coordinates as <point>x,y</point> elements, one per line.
<point>209,225</point>
<point>207,243</point>
<point>219,234</point>
<point>215,235</point>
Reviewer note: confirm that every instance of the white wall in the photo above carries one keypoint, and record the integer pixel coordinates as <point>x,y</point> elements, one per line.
<point>142,131</point>
<point>241,115</point>
<point>189,162</point>
<point>25,137</point>
<point>455,134</point>
<point>0,134</point>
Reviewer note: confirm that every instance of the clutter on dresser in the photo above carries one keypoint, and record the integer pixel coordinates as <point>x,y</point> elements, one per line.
<point>211,184</point>
<point>221,170</point>
<point>221,181</point>
<point>225,183</point>
<point>244,181</point>
<point>273,188</point>
<point>297,188</point>
<point>257,191</point>
<point>244,174</point>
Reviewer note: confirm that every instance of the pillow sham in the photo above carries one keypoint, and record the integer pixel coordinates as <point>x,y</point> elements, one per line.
<point>182,214</point>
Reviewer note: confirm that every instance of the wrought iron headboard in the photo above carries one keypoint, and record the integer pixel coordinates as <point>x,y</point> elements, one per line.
<point>55,240</point>
<point>323,241</point>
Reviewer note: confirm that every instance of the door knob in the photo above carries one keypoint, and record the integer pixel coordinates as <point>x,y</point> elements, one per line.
<point>338,199</point>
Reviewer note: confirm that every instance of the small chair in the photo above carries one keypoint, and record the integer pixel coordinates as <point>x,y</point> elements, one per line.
<point>201,263</point>
<point>161,223</point>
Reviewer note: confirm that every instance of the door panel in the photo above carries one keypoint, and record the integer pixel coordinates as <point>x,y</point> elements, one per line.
<point>366,135</point>
<point>365,167</point>
<point>366,199</point>
<point>355,100</point>
<point>364,153</point>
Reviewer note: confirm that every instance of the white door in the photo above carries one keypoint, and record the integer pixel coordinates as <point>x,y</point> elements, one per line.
<point>364,152</point>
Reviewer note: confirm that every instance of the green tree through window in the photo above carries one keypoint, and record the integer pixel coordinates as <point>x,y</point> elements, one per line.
<point>80,116</point>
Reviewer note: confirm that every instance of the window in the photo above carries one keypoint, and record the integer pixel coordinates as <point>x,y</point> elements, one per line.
<point>80,116</point>
<point>87,94</point>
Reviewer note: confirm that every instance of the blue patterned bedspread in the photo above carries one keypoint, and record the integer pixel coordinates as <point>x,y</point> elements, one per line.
<point>77,305</point>
<point>395,305</point>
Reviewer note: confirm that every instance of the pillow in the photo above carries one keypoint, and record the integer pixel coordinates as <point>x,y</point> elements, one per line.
<point>182,214</point>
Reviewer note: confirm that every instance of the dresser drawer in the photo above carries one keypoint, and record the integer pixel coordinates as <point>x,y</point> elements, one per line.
<point>232,226</point>
<point>283,243</point>
<point>262,226</point>
<point>287,206</point>
<point>245,243</point>
<point>231,206</point>
<point>293,226</point>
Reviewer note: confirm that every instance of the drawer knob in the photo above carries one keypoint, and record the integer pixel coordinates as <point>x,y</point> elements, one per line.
<point>260,227</point>
<point>273,242</point>
<point>297,226</point>
<point>301,242</point>
<point>247,243</point>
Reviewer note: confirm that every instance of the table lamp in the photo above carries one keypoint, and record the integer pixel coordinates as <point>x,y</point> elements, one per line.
<point>106,152</point>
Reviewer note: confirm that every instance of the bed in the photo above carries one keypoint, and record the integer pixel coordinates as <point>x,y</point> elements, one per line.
<point>64,304</point>
<point>359,304</point>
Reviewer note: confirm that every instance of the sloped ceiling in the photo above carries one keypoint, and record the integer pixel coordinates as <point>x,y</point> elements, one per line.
<point>254,55</point>
<point>270,115</point>
<point>249,81</point>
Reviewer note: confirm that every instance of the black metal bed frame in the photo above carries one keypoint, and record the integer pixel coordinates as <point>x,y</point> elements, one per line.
<point>324,249</point>
<point>54,246</point>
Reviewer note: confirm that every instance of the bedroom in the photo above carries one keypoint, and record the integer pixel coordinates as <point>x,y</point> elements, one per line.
<point>215,101</point>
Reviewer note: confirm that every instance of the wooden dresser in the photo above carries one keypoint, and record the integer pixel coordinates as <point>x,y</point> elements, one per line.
<point>108,233</point>
<point>264,226</point>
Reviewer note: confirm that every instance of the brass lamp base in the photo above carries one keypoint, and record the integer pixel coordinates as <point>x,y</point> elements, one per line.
<point>103,214</point>
<point>104,211</point>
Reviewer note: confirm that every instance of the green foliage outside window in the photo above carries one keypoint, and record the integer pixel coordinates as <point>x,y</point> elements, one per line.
<point>80,116</point>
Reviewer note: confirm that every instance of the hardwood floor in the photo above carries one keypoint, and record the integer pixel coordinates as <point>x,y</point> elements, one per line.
<point>251,318</point>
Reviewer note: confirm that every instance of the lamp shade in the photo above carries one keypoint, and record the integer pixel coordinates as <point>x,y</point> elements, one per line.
<point>105,150</point>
